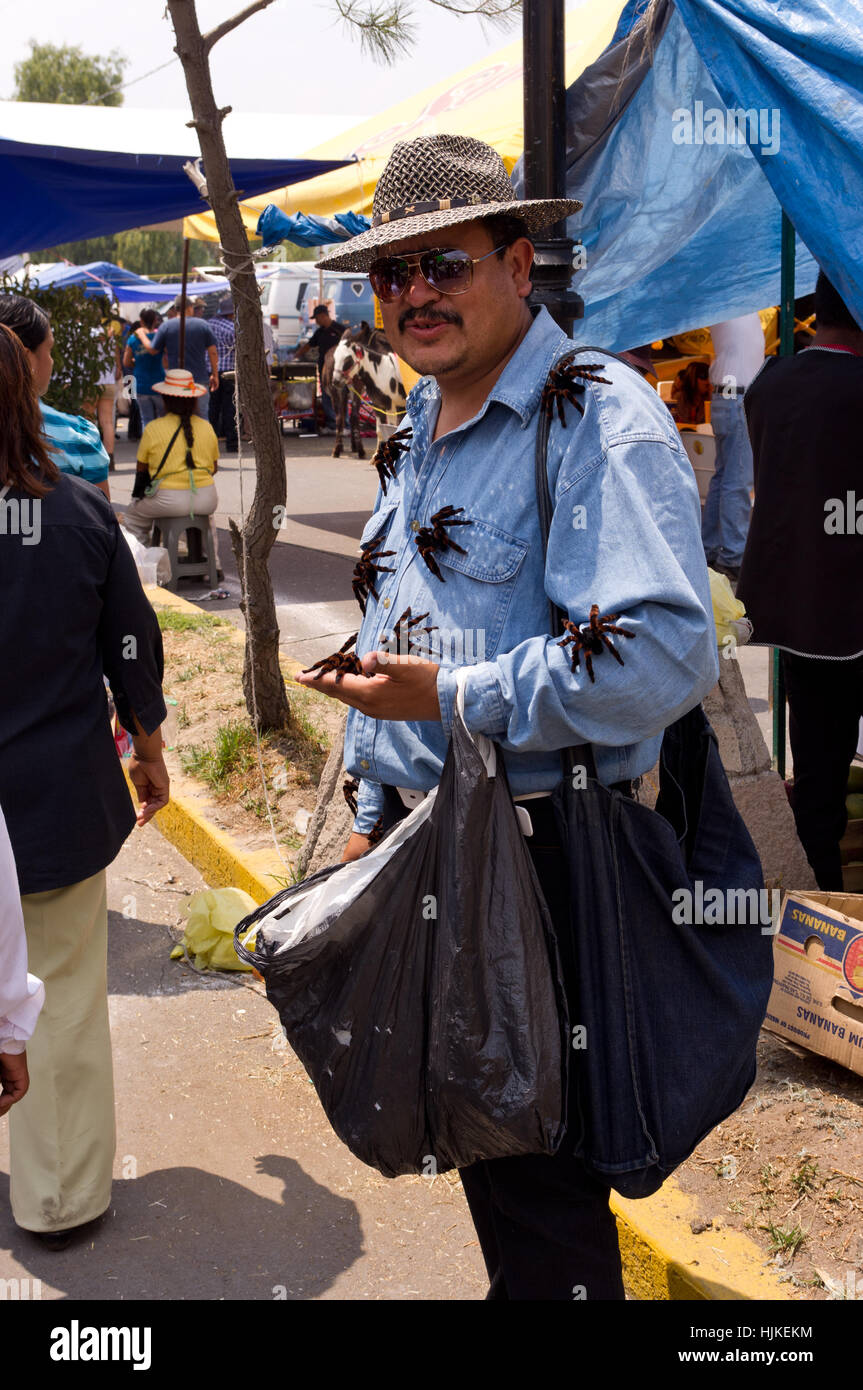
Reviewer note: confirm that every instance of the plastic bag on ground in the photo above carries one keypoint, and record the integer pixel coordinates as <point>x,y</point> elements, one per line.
<point>151,562</point>
<point>420,985</point>
<point>208,940</point>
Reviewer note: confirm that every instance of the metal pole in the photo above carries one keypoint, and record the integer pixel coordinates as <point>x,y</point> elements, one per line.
<point>545,153</point>
<point>786,349</point>
<point>182,349</point>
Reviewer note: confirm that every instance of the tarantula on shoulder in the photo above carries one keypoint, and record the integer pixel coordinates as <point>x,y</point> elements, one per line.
<point>563,384</point>
<point>592,639</point>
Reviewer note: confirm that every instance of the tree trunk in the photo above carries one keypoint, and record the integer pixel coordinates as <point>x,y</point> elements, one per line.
<point>266,700</point>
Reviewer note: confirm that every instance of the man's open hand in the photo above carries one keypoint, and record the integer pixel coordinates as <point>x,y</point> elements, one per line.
<point>394,687</point>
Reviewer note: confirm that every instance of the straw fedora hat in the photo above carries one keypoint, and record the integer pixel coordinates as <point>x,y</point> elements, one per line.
<point>438,181</point>
<point>179,383</point>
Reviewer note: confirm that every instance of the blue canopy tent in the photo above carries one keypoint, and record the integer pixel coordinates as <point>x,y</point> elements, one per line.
<point>707,136</point>
<point>54,194</point>
<point>696,127</point>
<point>103,277</point>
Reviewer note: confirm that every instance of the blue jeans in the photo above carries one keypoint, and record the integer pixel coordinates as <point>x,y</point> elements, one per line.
<point>329,413</point>
<point>725,524</point>
<point>150,408</point>
<point>202,404</point>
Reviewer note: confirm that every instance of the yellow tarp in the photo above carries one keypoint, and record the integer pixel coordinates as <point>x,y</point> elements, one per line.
<point>484,100</point>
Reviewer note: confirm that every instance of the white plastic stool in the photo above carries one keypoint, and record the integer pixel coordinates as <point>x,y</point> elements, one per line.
<point>170,529</point>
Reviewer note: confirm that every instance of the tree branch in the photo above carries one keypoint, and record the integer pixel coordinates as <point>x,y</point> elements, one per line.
<point>228,24</point>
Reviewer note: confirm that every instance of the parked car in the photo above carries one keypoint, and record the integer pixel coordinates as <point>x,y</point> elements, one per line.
<point>281,296</point>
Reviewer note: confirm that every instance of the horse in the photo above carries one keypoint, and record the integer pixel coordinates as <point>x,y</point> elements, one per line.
<point>365,364</point>
<point>344,403</point>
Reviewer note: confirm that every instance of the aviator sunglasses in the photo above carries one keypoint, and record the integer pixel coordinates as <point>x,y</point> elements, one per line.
<point>449,271</point>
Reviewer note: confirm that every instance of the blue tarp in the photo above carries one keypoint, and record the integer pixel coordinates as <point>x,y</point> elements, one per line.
<point>682,205</point>
<point>51,194</point>
<point>275,225</point>
<point>103,277</point>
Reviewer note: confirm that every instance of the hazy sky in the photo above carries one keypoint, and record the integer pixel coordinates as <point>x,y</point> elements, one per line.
<point>294,56</point>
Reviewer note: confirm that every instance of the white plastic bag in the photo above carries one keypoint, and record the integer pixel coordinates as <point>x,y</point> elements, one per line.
<point>151,562</point>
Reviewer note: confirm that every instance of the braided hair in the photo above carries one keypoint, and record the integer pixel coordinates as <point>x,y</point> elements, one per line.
<point>185,408</point>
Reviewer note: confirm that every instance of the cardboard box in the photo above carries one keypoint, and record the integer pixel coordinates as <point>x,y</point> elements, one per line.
<point>817,995</point>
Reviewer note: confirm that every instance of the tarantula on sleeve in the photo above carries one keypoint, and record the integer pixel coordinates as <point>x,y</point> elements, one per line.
<point>592,639</point>
<point>342,662</point>
<point>367,570</point>
<point>435,537</point>
<point>349,791</point>
<point>562,385</point>
<point>388,453</point>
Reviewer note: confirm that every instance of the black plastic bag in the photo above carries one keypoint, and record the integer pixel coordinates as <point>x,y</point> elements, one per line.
<point>428,1008</point>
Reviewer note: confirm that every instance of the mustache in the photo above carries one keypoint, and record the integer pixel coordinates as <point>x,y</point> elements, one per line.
<point>431,315</point>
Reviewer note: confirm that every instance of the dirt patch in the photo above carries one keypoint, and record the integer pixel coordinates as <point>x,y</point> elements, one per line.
<point>209,739</point>
<point>786,1170</point>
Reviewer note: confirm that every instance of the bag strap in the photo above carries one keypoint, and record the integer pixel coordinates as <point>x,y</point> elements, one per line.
<point>166,453</point>
<point>581,754</point>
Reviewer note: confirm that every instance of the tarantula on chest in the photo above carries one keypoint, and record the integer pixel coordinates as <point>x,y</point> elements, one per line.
<point>436,538</point>
<point>389,451</point>
<point>366,571</point>
<point>343,662</point>
<point>592,639</point>
<point>566,383</point>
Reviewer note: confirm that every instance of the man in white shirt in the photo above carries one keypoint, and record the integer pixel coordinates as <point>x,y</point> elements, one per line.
<point>739,348</point>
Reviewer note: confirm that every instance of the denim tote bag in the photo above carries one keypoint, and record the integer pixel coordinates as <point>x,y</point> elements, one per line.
<point>667,1012</point>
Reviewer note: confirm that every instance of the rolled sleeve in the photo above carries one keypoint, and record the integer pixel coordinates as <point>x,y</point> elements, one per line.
<point>131,643</point>
<point>370,805</point>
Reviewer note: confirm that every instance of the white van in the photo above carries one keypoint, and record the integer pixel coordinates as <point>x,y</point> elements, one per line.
<point>281,296</point>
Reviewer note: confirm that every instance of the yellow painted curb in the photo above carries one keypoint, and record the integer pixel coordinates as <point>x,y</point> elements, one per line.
<point>662,1258</point>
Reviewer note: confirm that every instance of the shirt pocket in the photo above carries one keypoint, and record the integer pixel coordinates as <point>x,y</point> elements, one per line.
<point>477,591</point>
<point>377,524</point>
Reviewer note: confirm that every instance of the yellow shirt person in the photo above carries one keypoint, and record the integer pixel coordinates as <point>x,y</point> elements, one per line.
<point>174,478</point>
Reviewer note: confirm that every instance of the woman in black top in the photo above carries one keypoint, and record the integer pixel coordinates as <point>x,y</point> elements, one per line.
<point>73,609</point>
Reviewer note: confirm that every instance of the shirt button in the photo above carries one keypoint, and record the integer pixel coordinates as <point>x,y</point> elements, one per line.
<point>415,526</point>
<point>387,602</point>
<point>364,764</point>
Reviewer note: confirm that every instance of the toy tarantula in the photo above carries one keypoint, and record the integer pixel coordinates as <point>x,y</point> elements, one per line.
<point>435,537</point>
<point>376,832</point>
<point>562,386</point>
<point>388,452</point>
<point>406,628</point>
<point>592,637</point>
<point>366,571</point>
<point>342,662</point>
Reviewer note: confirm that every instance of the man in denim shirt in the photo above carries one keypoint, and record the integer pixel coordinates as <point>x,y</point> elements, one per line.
<point>625,536</point>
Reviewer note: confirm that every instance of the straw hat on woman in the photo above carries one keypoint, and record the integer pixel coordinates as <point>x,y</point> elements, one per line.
<point>177,459</point>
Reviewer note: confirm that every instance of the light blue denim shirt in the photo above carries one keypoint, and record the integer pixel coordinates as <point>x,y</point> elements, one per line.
<point>626,535</point>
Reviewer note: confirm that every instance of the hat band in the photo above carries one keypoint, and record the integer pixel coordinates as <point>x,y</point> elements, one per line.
<point>435,205</point>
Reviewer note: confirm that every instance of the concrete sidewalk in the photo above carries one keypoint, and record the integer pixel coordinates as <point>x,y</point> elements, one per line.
<point>229,1182</point>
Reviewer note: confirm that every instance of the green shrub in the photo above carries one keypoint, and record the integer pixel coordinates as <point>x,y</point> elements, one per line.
<point>80,358</point>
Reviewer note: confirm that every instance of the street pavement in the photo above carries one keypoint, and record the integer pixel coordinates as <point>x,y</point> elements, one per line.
<point>229,1182</point>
